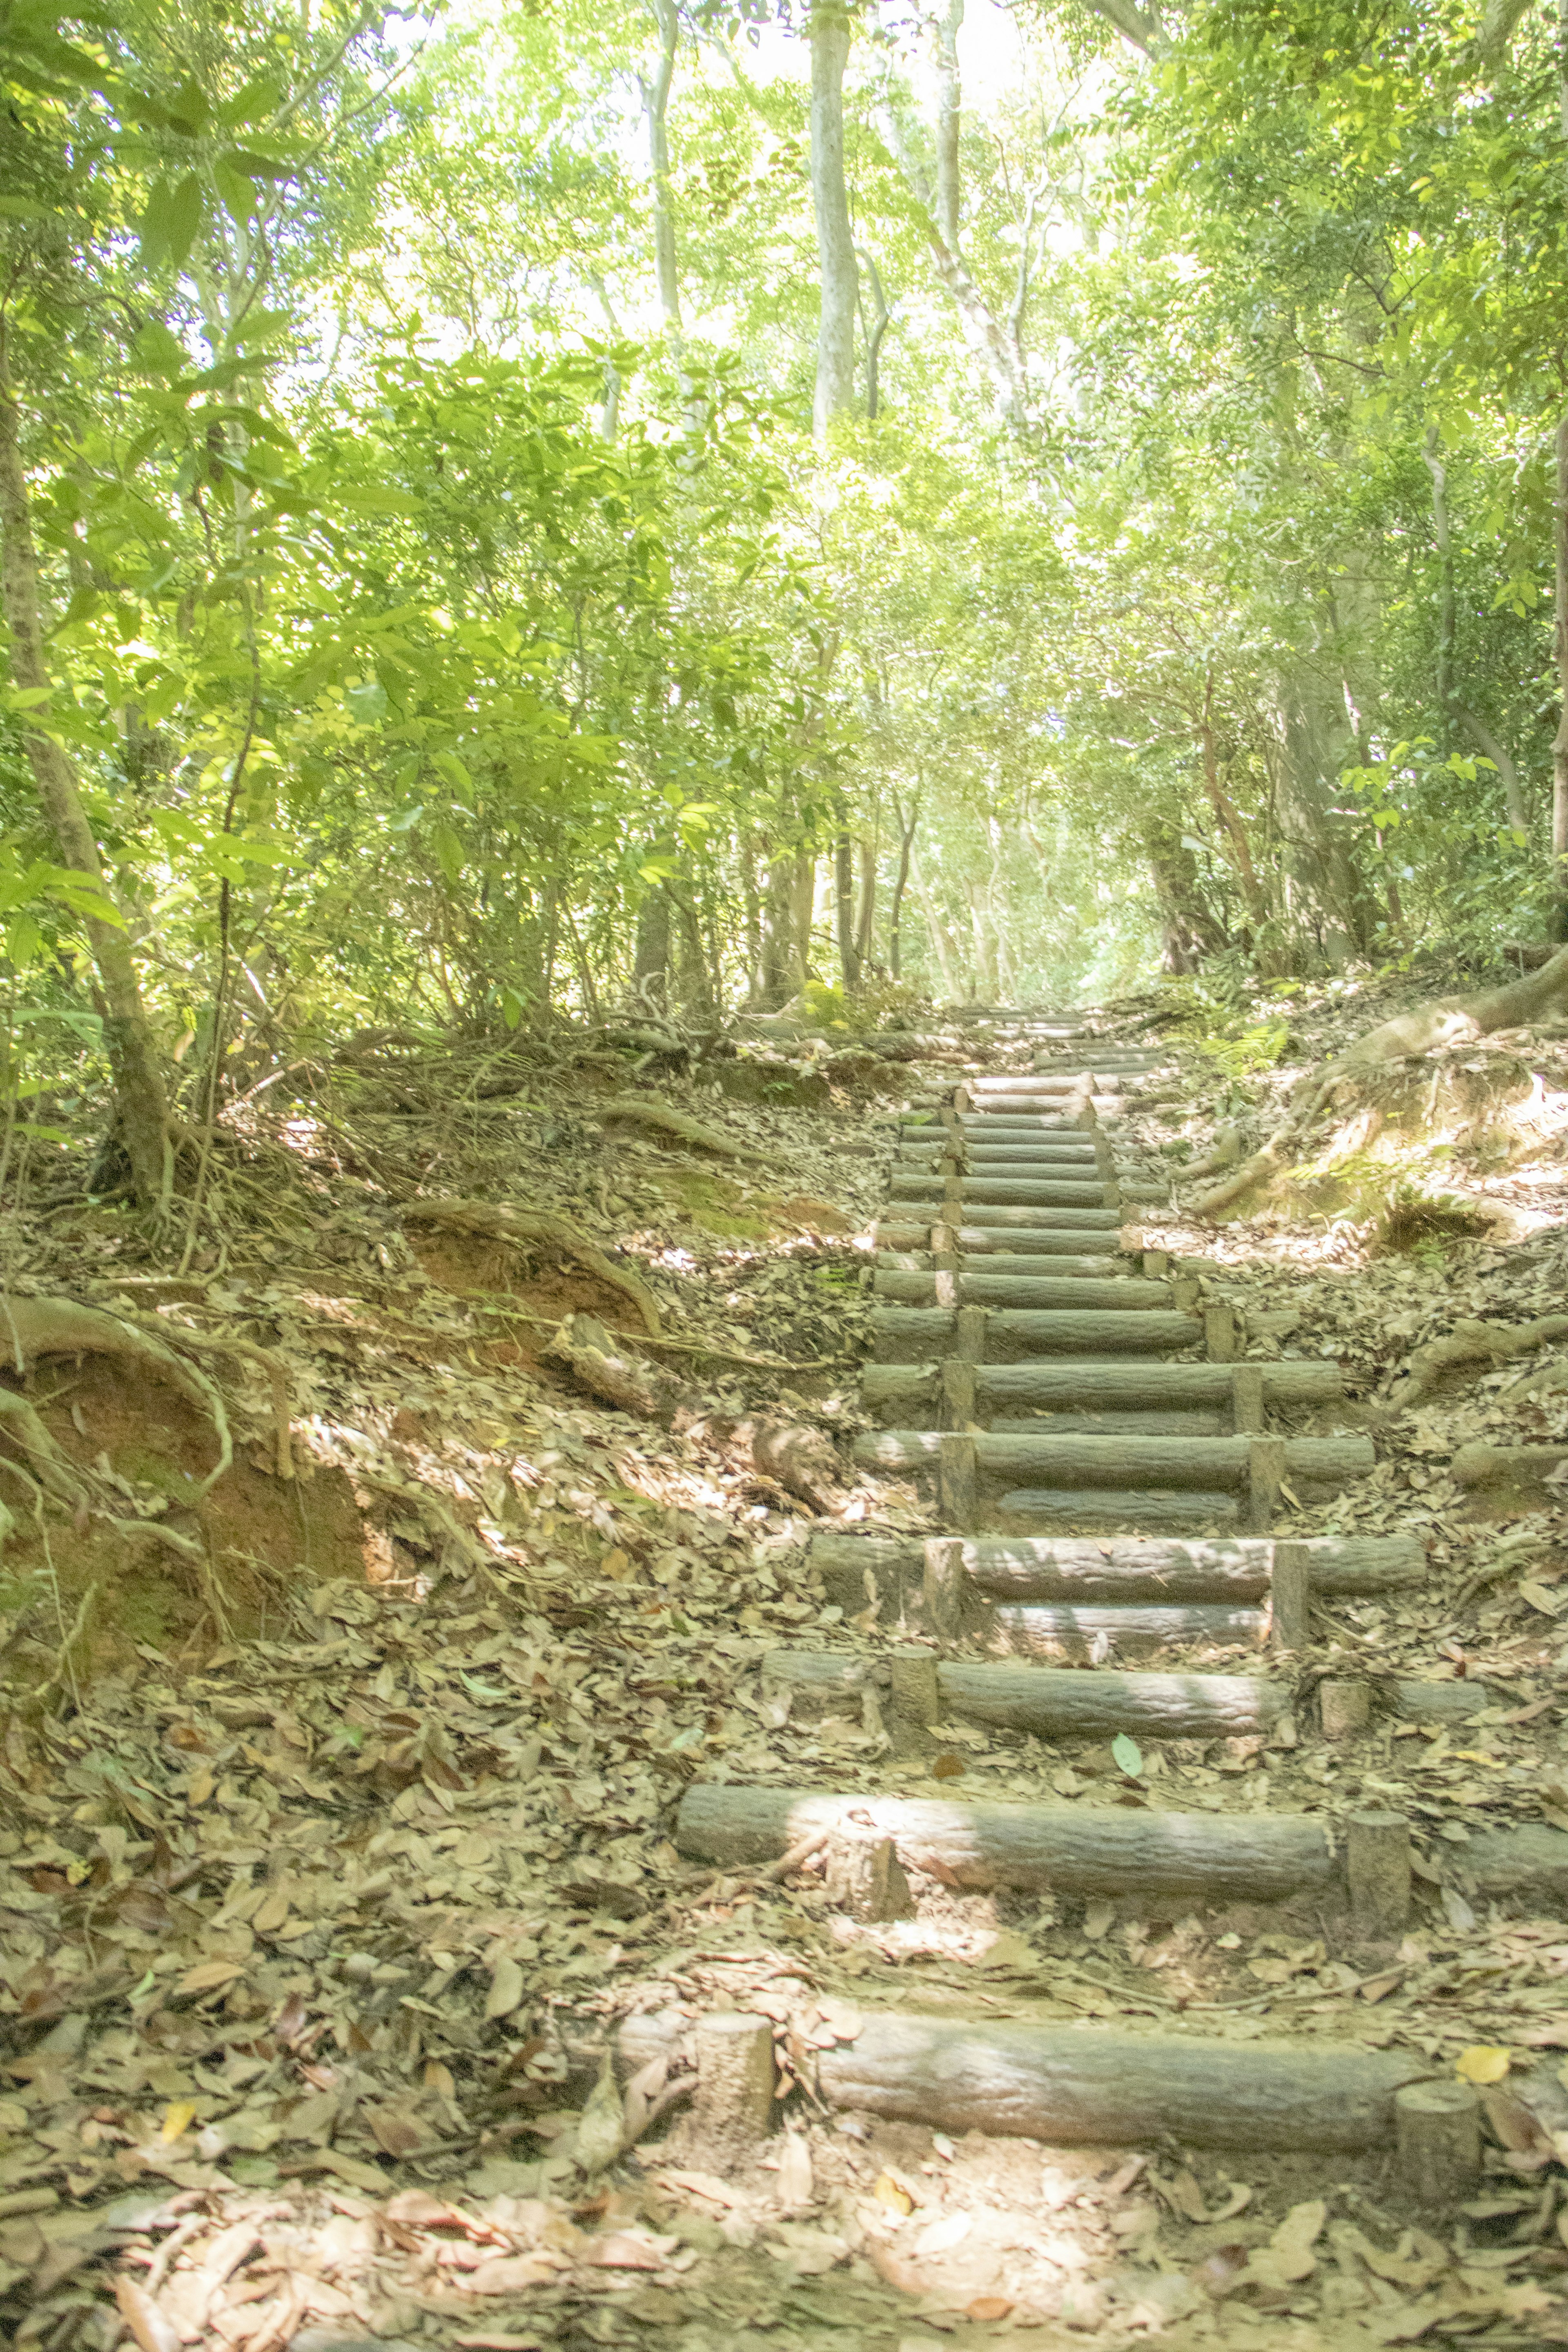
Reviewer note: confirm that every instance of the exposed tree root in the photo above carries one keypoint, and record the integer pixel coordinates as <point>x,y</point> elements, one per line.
<point>591,1356</point>
<point>58,1326</point>
<point>1447,1020</point>
<point>534,1229</point>
<point>646,1111</point>
<point>1472,1343</point>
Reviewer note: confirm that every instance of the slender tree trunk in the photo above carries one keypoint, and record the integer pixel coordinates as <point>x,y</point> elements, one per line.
<point>1560,745</point>
<point>780,958</point>
<point>940,946</point>
<point>866,920</point>
<point>949,116</point>
<point>655,103</point>
<point>650,971</point>
<point>1190,931</point>
<point>830,203</point>
<point>1226,815</point>
<point>132,1053</point>
<point>874,333</point>
<point>900,882</point>
<point>844,912</point>
<point>804,906</point>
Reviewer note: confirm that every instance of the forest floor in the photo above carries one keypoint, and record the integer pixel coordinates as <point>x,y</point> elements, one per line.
<point>335,1820</point>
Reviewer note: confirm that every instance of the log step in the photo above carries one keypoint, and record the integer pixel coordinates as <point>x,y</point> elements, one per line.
<point>1056,1703</point>
<point>1066,2086</point>
<point>976,1240</point>
<point>1087,1634</point>
<point>1194,1423</point>
<point>1059,1267</point>
<point>1040,1085</point>
<point>1222,1464</point>
<point>988,1289</point>
<point>918,1335</point>
<point>1189,1858</point>
<point>1003,1191</point>
<point>994,1217</point>
<point>1110,1511</point>
<point>1064,1385</point>
<point>1132,1568</point>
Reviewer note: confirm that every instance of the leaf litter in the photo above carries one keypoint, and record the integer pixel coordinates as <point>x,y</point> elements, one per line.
<point>313,1932</point>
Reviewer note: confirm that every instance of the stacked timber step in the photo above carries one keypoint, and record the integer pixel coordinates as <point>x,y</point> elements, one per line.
<point>1104,1470</point>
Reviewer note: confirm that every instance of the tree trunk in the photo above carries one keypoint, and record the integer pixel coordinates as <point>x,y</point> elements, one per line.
<point>1559,744</point>
<point>940,946</point>
<point>900,881</point>
<point>132,1053</point>
<point>1190,931</point>
<point>830,203</point>
<point>656,104</point>
<point>866,920</point>
<point>651,972</point>
<point>949,116</point>
<point>844,912</point>
<point>1226,815</point>
<point>873,332</point>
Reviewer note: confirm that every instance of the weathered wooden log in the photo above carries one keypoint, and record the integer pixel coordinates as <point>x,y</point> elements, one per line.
<point>1055,1266</point>
<point>910,1335</point>
<point>1531,1861</point>
<point>1000,1191</point>
<point>1222,1464</point>
<point>1096,1106</point>
<point>1107,1851</point>
<point>1377,1867</point>
<point>1040,1125</point>
<point>1438,2133</point>
<point>1064,2086</point>
<point>1193,1422</point>
<point>1089,1632</point>
<point>1344,1708</point>
<point>1067,1703</point>
<point>1029,1241</point>
<point>1046,1151</point>
<point>1056,1385</point>
<point>1070,1290</point>
<point>1012,1333</point>
<point>1112,1510</point>
<point>1040,1085</point>
<point>1133,1569</point>
<point>998,1216</point>
<point>1423,1702</point>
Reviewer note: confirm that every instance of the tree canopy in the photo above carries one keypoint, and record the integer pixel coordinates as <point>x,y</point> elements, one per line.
<point>512,513</point>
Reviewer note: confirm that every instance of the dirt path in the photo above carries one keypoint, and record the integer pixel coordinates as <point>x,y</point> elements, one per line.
<point>1059,1885</point>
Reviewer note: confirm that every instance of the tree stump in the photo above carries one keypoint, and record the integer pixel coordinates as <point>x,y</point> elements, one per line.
<point>1438,2129</point>
<point>1345,1709</point>
<point>866,1878</point>
<point>735,2078</point>
<point>1377,1865</point>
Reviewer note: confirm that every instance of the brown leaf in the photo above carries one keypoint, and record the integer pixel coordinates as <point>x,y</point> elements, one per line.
<point>152,2330</point>
<point>510,2273</point>
<point>393,2133</point>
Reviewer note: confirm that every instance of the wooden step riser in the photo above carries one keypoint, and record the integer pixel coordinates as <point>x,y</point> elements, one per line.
<point>1220,1465</point>
<point>1047,1386</point>
<point>1059,1267</point>
<point>982,1242</point>
<point>1063,2087</point>
<point>1005,1192</point>
<point>1131,1570</point>
<point>1020,1290</point>
<point>915,1334</point>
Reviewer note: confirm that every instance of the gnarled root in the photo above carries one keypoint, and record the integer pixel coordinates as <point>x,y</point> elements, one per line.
<point>591,1356</point>
<point>1472,1342</point>
<point>795,1457</point>
<point>646,1111</point>
<point>535,1229</point>
<point>32,1328</point>
<point>1447,1020</point>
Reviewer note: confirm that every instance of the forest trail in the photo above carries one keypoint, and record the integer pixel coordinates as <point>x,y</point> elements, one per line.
<point>1062,1881</point>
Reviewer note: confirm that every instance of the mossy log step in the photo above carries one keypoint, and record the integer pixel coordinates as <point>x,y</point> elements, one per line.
<point>1133,1568</point>
<point>989,1289</point>
<point>1040,1849</point>
<point>1073,2086</point>
<point>917,1335</point>
<point>1222,1464</point>
<point>1087,1631</point>
<point>1065,1385</point>
<point>1037,1084</point>
<point>1005,1192</point>
<point>982,1240</point>
<point>1000,1217</point>
<point>1011,1106</point>
<point>1195,1422</point>
<point>1058,1267</point>
<point>1056,1703</point>
<point>1019,1154</point>
<point>1110,1511</point>
<point>1025,1126</point>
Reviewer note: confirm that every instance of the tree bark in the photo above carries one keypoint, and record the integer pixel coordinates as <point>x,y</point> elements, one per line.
<point>873,332</point>
<point>1190,931</point>
<point>948,119</point>
<point>656,102</point>
<point>1226,815</point>
<point>900,881</point>
<point>844,911</point>
<point>1559,744</point>
<point>132,1053</point>
<point>651,972</point>
<point>830,203</point>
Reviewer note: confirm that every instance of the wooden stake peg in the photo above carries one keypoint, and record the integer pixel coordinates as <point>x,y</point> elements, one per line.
<point>917,1694</point>
<point>865,1877</point>
<point>943,1586</point>
<point>1377,1865</point>
<point>1289,1596</point>
<point>1437,2132</point>
<point>1246,1400</point>
<point>735,2076</point>
<point>1345,1709</point>
<point>1222,1341</point>
<point>958,1481</point>
<point>958,1403</point>
<point>944,1249</point>
<point>969,1335</point>
<point>1265,1476</point>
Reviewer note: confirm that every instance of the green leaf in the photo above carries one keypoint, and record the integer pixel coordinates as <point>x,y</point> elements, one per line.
<point>367,702</point>
<point>1128,1755</point>
<point>450,851</point>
